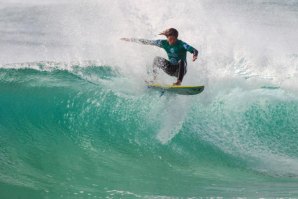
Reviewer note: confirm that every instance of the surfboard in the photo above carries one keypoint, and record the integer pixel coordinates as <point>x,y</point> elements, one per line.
<point>181,90</point>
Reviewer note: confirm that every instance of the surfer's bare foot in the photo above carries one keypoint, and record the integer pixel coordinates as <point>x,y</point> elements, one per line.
<point>178,83</point>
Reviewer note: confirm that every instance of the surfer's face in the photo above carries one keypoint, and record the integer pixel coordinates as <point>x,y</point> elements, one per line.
<point>172,40</point>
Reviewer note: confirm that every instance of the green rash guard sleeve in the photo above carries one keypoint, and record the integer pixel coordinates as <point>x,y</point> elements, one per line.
<point>190,49</point>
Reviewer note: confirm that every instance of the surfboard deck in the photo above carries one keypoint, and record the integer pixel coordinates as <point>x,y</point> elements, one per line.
<point>181,90</point>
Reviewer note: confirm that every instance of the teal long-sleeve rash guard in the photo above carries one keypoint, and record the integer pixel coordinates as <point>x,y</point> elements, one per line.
<point>175,52</point>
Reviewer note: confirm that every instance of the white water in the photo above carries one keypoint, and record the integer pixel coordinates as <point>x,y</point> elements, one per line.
<point>236,39</point>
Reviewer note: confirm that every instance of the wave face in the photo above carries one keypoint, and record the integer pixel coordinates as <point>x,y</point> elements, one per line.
<point>80,133</point>
<point>84,125</point>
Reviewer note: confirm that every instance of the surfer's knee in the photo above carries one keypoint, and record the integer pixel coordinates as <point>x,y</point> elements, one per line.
<point>159,62</point>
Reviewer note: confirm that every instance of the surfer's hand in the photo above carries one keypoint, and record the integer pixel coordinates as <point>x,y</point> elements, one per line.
<point>125,39</point>
<point>194,58</point>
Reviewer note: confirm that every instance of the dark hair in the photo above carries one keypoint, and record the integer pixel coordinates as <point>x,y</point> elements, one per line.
<point>170,32</point>
<point>173,32</point>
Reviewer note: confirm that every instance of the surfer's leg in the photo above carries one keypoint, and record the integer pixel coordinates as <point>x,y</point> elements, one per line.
<point>181,70</point>
<point>162,63</point>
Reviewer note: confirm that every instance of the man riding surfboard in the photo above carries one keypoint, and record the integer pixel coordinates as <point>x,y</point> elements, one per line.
<point>176,50</point>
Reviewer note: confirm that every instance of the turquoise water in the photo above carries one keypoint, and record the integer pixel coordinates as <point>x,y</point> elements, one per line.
<point>67,135</point>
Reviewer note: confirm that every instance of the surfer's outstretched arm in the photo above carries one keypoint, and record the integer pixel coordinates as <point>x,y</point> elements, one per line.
<point>143,41</point>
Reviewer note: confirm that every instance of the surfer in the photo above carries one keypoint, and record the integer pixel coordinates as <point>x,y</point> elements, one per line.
<point>176,50</point>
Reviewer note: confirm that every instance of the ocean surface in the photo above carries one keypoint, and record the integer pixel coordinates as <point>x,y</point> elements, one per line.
<point>77,121</point>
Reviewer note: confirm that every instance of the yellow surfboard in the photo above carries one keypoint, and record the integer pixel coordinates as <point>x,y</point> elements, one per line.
<point>181,90</point>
